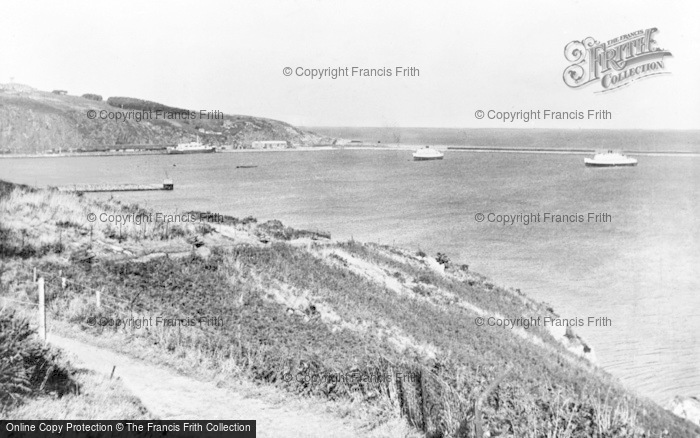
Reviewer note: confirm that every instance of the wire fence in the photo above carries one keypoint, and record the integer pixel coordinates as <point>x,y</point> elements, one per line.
<point>22,302</point>
<point>59,284</point>
<point>61,287</point>
<point>425,400</point>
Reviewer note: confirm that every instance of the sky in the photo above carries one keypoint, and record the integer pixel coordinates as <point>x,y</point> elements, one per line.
<point>230,56</point>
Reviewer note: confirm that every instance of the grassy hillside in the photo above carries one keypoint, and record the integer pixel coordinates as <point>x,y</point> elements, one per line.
<point>390,331</point>
<point>37,382</point>
<point>33,121</point>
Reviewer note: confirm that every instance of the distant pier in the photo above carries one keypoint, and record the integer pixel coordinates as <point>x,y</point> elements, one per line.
<point>526,150</point>
<point>84,188</point>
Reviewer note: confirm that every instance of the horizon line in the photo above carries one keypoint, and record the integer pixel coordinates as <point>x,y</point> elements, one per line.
<point>500,128</point>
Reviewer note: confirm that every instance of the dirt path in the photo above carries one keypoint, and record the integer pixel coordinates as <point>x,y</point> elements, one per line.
<point>171,396</point>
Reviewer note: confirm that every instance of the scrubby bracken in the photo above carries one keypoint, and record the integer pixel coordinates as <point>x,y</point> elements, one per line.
<point>27,367</point>
<point>387,329</point>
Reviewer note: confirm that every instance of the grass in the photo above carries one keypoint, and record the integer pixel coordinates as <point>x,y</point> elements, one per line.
<point>328,308</point>
<point>37,382</point>
<point>71,130</point>
<point>27,367</point>
<point>99,398</point>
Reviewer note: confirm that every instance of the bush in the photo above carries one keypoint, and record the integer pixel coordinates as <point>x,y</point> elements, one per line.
<point>222,219</point>
<point>175,231</point>
<point>26,365</point>
<point>277,230</point>
<point>12,245</point>
<point>91,96</point>
<point>67,224</point>
<point>424,278</point>
<point>249,220</point>
<point>442,259</point>
<point>142,105</point>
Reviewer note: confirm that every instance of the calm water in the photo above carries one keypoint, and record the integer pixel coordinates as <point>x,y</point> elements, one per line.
<point>629,140</point>
<point>640,269</point>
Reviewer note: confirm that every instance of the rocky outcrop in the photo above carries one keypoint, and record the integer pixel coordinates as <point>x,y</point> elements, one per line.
<point>687,408</point>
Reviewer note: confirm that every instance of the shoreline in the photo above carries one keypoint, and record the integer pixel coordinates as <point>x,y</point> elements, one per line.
<point>477,149</point>
<point>159,152</point>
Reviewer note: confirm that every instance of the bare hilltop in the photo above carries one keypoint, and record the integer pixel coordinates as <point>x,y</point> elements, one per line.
<point>34,121</point>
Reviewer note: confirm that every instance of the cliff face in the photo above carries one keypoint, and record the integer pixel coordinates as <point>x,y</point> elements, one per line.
<point>34,121</point>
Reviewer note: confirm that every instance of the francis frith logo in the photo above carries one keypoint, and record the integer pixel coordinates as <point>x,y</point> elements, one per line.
<point>615,63</point>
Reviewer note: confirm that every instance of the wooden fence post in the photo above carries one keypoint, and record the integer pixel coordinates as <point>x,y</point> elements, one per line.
<point>478,427</point>
<point>42,309</point>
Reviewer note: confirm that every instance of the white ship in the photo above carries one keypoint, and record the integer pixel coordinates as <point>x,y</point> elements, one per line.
<point>193,147</point>
<point>609,159</point>
<point>427,153</point>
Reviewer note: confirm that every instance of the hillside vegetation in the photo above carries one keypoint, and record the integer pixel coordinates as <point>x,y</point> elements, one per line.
<point>37,382</point>
<point>391,331</point>
<point>33,121</point>
<point>27,367</point>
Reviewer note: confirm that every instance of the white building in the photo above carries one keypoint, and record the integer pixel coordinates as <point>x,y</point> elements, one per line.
<point>269,144</point>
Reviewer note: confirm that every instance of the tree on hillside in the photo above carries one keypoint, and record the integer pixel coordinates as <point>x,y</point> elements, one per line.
<point>91,96</point>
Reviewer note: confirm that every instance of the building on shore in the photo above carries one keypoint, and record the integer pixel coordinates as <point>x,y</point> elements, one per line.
<point>269,144</point>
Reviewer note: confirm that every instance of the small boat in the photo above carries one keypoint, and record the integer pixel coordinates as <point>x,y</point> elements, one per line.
<point>610,158</point>
<point>427,153</point>
<point>246,166</point>
<point>193,147</point>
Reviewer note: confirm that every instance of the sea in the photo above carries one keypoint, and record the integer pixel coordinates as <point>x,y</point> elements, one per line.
<point>618,244</point>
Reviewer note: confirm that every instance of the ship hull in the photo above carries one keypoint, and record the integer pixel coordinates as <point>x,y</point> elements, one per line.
<point>427,158</point>
<point>598,164</point>
<point>199,151</point>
